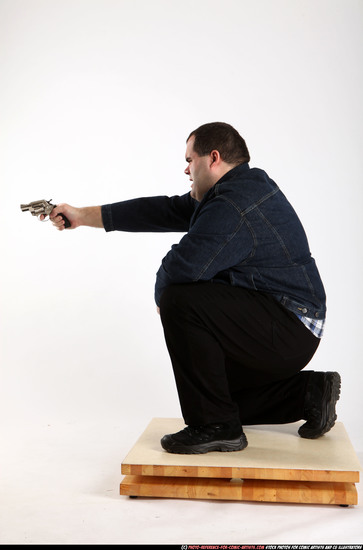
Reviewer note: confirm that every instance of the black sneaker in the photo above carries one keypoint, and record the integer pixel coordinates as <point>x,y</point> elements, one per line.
<point>323,392</point>
<point>204,439</point>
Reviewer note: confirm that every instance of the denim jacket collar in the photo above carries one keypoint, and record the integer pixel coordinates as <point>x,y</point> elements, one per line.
<point>238,170</point>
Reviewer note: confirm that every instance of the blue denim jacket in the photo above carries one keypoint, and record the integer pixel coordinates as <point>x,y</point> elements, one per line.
<point>244,233</point>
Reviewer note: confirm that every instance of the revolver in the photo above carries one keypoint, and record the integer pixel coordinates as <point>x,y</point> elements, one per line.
<point>37,208</point>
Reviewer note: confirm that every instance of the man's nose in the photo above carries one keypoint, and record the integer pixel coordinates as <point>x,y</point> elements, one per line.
<point>186,171</point>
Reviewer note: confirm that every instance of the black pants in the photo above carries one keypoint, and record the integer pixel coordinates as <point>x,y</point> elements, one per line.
<point>236,354</point>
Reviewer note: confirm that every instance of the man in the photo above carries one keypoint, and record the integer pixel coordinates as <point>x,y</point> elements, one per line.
<point>240,297</point>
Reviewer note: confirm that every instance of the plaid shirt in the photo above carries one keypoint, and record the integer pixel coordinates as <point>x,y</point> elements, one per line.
<point>316,326</point>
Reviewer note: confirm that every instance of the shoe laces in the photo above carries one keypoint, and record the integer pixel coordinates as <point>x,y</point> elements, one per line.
<point>202,432</point>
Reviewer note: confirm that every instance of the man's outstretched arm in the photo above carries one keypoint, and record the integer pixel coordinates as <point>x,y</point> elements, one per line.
<point>149,214</point>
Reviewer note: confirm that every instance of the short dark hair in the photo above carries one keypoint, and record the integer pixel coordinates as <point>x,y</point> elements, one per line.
<point>222,137</point>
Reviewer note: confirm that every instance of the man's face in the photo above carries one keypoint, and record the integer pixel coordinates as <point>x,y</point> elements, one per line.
<point>198,170</point>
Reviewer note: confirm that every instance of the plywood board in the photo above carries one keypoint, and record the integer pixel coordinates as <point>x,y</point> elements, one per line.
<point>273,452</point>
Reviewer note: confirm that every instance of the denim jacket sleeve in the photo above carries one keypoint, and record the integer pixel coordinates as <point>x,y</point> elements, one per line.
<point>154,214</point>
<point>217,240</point>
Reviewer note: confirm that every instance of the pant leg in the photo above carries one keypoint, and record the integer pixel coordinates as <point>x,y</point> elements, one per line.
<point>228,346</point>
<point>276,402</point>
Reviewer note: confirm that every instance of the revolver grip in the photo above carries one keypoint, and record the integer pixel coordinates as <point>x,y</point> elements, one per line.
<point>66,220</point>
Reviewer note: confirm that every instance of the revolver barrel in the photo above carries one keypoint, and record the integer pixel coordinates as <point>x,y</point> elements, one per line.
<point>38,207</point>
<point>34,205</point>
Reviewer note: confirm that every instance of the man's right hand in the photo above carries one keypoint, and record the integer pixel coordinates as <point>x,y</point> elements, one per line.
<point>89,216</point>
<point>71,213</point>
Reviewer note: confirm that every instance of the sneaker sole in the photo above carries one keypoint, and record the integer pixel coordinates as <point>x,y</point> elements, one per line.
<point>223,446</point>
<point>331,396</point>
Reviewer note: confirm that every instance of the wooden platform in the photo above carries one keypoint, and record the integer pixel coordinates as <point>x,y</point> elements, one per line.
<point>277,466</point>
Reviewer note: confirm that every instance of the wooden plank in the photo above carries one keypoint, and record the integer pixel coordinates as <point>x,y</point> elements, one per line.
<point>244,473</point>
<point>274,452</point>
<point>333,493</point>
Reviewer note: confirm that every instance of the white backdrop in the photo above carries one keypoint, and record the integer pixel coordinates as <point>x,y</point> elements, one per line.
<point>97,99</point>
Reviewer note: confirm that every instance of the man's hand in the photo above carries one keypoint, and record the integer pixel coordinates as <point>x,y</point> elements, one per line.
<point>89,216</point>
<point>71,213</point>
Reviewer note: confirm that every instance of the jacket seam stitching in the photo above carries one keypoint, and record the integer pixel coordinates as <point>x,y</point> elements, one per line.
<point>253,235</point>
<point>252,206</point>
<point>214,256</point>
<point>277,236</point>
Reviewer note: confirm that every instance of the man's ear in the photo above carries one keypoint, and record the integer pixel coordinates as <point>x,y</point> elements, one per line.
<point>215,157</point>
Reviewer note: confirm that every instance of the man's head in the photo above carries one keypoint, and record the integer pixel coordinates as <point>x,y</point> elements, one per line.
<point>212,150</point>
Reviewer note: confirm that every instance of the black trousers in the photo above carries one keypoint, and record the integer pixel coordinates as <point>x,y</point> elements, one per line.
<point>236,354</point>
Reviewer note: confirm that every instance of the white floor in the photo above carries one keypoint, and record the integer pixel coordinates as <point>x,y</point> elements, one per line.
<point>59,484</point>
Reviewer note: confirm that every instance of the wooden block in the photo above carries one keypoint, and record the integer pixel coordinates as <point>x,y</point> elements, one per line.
<point>277,466</point>
<point>273,452</point>
<point>247,490</point>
